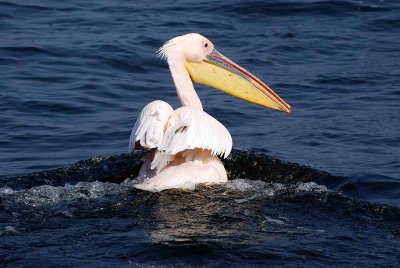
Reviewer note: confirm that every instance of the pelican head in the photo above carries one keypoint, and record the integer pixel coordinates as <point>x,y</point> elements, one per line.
<point>207,66</point>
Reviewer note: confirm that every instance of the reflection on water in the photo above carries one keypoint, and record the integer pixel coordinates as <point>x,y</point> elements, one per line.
<point>188,217</point>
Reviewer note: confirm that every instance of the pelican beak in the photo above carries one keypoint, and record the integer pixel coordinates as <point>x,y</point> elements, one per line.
<point>219,72</point>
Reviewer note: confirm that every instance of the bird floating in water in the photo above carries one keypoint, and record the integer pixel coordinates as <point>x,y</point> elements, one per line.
<point>185,144</point>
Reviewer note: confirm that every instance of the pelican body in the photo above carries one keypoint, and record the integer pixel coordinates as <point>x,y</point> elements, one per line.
<point>185,144</point>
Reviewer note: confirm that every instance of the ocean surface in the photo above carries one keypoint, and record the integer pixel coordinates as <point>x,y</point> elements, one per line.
<point>319,186</point>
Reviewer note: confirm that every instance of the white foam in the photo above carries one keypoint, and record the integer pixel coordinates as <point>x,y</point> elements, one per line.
<point>47,194</point>
<point>310,187</point>
<point>6,190</point>
<point>244,185</point>
<point>149,186</point>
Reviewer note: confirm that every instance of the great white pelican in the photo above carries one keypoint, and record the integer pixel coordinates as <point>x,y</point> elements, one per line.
<point>184,144</point>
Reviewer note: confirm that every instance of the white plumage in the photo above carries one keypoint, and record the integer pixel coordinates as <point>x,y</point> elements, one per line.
<point>150,126</point>
<point>190,128</point>
<point>173,132</point>
<point>184,144</point>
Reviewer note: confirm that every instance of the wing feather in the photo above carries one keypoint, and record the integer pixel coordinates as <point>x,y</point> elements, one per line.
<point>191,128</point>
<point>150,126</point>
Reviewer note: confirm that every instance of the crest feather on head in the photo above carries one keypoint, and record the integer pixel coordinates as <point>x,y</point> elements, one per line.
<point>163,52</point>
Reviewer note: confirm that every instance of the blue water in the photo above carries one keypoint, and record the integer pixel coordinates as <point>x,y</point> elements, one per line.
<point>74,76</point>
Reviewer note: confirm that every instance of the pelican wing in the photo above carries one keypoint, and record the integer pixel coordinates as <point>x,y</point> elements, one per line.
<point>150,126</point>
<point>191,128</point>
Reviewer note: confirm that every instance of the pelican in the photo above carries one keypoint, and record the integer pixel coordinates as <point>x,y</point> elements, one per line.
<point>185,144</point>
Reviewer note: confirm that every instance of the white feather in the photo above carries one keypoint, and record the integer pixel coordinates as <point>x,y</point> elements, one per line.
<point>172,132</point>
<point>150,126</point>
<point>184,143</point>
<point>192,128</point>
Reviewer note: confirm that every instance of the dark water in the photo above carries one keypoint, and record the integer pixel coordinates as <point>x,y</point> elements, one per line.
<point>271,212</point>
<point>75,74</point>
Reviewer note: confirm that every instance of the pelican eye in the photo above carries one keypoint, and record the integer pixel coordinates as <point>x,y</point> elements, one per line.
<point>206,45</point>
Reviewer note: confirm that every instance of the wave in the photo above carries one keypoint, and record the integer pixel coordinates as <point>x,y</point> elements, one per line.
<point>254,218</point>
<point>247,171</point>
